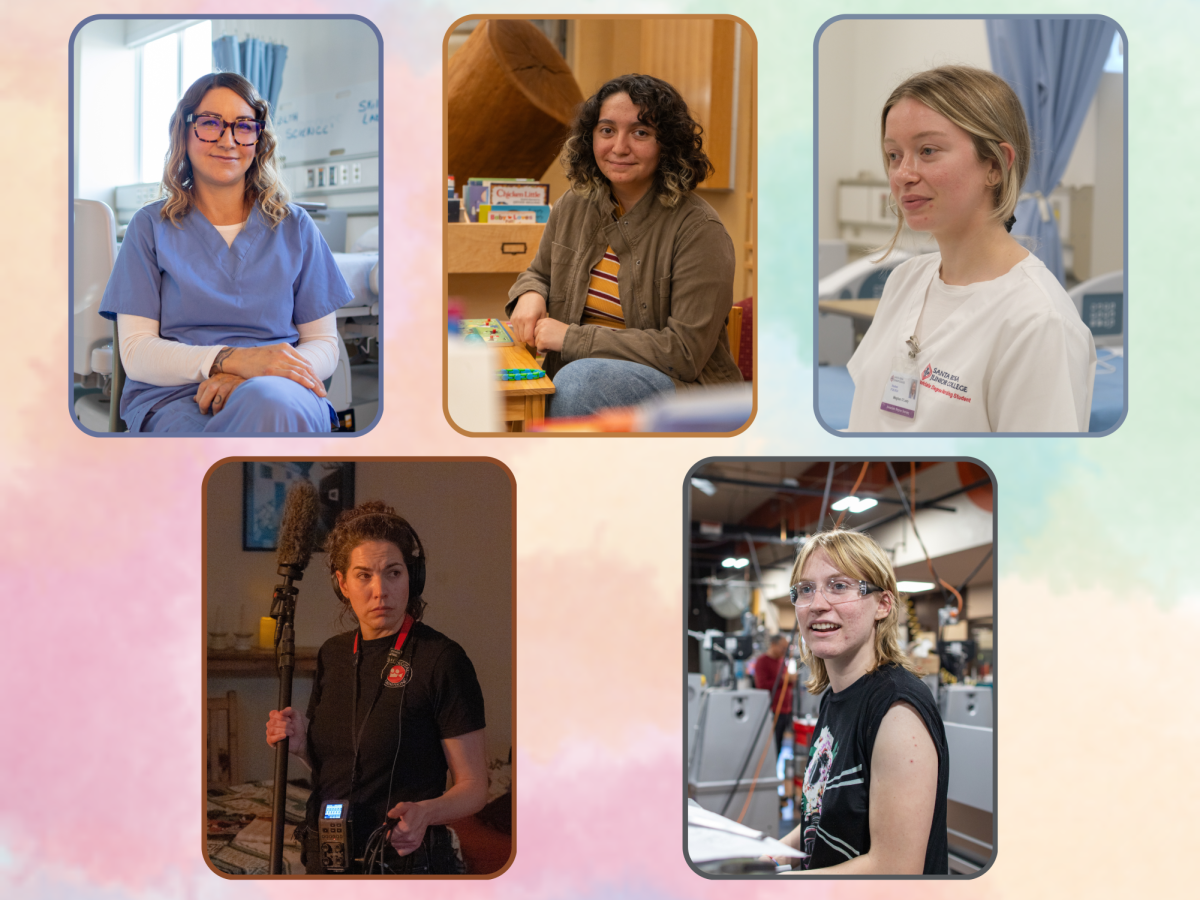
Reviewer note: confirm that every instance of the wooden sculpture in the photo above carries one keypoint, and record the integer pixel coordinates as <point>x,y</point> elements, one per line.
<point>511,98</point>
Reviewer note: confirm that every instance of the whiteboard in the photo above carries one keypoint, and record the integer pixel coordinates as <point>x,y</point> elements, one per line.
<point>310,127</point>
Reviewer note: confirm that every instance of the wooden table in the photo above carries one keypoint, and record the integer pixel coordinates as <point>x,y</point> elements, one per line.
<point>257,662</point>
<point>856,309</point>
<point>524,401</point>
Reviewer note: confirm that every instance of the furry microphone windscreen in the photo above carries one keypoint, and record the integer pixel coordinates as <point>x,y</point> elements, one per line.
<point>298,527</point>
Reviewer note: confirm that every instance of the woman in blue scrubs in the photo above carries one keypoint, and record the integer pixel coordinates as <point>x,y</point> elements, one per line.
<point>224,293</point>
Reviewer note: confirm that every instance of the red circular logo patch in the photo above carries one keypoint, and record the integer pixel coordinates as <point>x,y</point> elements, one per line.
<point>398,675</point>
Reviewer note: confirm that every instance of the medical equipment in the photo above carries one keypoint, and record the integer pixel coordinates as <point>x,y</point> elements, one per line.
<point>94,251</point>
<point>1101,305</point>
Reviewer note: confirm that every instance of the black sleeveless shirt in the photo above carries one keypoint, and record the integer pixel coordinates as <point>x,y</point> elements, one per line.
<point>834,806</point>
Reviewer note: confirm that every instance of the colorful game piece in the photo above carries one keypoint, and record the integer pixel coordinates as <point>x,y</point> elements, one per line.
<point>520,374</point>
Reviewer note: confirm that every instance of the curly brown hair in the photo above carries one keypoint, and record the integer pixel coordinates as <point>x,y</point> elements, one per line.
<point>374,520</point>
<point>682,162</point>
<point>263,183</point>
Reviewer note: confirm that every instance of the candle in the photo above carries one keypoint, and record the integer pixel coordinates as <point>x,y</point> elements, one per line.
<point>266,633</point>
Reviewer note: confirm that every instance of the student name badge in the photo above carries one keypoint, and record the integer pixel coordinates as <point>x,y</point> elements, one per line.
<point>900,394</point>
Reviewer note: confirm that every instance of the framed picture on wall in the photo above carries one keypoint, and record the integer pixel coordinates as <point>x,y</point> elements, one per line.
<point>265,486</point>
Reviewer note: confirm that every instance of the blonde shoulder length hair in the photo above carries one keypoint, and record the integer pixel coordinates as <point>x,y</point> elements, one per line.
<point>985,107</point>
<point>856,556</point>
<point>264,187</point>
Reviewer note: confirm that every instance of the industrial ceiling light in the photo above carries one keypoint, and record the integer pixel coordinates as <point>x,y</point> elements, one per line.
<point>731,562</point>
<point>854,504</point>
<point>914,587</point>
<point>704,485</point>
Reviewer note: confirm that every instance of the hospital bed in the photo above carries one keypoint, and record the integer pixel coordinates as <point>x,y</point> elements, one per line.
<point>1100,302</point>
<point>862,279</point>
<point>98,376</point>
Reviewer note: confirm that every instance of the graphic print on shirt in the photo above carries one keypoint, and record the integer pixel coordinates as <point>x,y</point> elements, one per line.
<point>942,382</point>
<point>817,781</point>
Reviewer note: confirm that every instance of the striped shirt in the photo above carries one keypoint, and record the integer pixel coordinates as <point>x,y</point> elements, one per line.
<point>603,305</point>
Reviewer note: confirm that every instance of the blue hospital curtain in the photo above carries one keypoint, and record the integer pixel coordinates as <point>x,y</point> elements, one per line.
<point>1054,65</point>
<point>257,61</point>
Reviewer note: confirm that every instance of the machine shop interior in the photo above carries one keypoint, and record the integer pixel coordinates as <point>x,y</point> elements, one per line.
<point>749,519</point>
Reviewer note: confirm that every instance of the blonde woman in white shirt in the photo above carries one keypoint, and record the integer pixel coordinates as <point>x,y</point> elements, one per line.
<point>979,336</point>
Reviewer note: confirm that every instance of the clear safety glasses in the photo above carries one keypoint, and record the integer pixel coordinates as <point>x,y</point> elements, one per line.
<point>209,129</point>
<point>836,590</point>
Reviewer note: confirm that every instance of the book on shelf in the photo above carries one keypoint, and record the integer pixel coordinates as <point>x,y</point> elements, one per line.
<point>475,194</point>
<point>518,193</point>
<point>513,215</point>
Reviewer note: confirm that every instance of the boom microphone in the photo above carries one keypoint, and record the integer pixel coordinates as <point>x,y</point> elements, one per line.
<point>295,550</point>
<point>298,526</point>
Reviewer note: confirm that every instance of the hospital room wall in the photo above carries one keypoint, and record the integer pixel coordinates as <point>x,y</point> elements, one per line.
<point>462,511</point>
<point>329,55</point>
<point>1108,210</point>
<point>862,61</point>
<point>104,118</point>
<point>322,56</point>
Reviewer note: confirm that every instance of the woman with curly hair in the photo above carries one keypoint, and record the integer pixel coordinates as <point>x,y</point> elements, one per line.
<point>224,294</point>
<point>633,281</point>
<point>395,705</point>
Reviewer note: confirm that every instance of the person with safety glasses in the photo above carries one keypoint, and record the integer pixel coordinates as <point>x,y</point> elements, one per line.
<point>874,795</point>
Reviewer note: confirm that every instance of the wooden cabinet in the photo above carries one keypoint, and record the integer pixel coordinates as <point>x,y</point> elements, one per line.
<point>481,248</point>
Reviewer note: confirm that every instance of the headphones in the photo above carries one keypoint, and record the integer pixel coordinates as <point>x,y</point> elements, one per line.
<point>415,562</point>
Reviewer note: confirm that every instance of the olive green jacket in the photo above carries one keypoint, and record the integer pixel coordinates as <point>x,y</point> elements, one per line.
<point>676,285</point>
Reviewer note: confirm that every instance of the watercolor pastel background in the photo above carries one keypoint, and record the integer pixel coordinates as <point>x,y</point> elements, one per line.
<point>100,704</point>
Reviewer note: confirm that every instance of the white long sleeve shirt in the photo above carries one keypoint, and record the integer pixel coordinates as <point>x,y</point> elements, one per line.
<point>149,358</point>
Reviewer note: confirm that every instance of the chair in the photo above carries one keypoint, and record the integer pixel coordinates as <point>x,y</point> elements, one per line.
<point>94,363</point>
<point>740,329</point>
<point>1101,305</point>
<point>224,761</point>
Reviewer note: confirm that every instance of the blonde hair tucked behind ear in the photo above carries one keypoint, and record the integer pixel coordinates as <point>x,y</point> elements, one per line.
<point>857,556</point>
<point>985,107</point>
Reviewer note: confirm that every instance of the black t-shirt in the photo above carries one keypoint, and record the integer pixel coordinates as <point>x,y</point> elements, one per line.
<point>834,806</point>
<point>442,699</point>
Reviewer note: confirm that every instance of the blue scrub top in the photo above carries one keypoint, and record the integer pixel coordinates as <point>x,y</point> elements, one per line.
<point>204,292</point>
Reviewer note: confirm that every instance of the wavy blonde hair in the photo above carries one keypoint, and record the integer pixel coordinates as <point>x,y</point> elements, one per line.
<point>264,187</point>
<point>856,556</point>
<point>985,107</point>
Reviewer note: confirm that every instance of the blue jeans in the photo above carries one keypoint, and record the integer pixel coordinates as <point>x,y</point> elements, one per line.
<point>586,386</point>
<point>268,403</point>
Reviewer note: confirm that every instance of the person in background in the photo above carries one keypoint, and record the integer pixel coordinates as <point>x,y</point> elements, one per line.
<point>771,674</point>
<point>632,284</point>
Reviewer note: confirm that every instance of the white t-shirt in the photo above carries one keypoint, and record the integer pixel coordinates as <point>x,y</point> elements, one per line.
<point>1010,354</point>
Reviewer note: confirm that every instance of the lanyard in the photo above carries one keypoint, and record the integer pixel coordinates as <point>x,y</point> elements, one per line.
<point>356,730</point>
